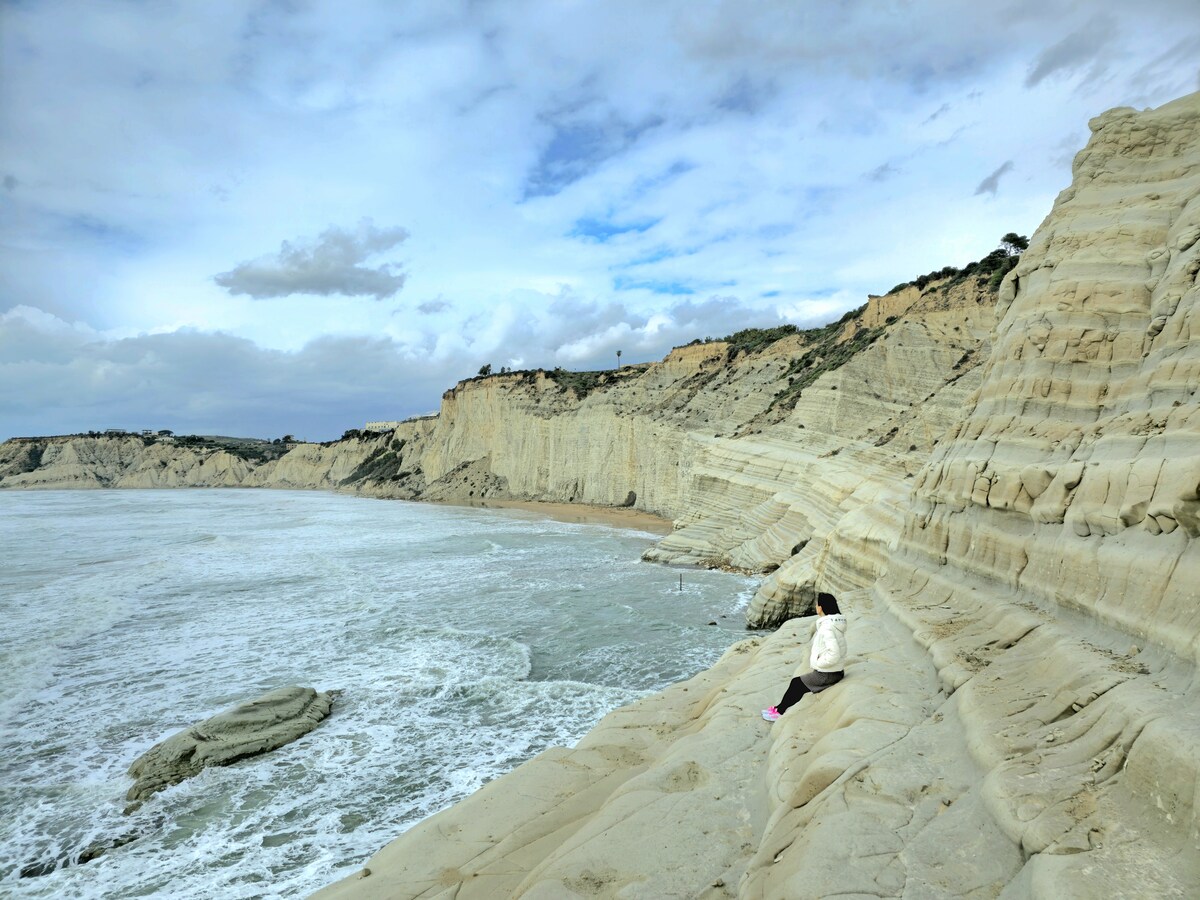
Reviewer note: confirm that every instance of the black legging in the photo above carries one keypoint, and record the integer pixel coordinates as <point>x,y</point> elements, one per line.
<point>817,681</point>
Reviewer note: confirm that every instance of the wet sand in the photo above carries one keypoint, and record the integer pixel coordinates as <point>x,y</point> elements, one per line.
<point>617,517</point>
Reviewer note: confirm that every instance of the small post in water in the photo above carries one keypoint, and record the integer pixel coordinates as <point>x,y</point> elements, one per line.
<point>681,582</point>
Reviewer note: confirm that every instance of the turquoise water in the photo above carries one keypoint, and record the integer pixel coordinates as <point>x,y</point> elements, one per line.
<point>463,641</point>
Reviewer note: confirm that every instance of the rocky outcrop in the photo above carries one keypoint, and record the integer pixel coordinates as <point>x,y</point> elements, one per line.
<point>690,794</point>
<point>1021,714</point>
<point>816,497</point>
<point>131,461</point>
<point>543,830</point>
<point>124,461</point>
<point>266,723</point>
<point>1048,560</point>
<point>1080,456</point>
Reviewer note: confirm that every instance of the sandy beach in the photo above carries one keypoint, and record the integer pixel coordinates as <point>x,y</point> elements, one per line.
<point>618,517</point>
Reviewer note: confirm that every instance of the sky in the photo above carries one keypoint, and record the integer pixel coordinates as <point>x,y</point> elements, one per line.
<point>286,217</point>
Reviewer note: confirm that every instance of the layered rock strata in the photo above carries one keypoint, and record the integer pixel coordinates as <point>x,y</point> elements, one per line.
<point>130,461</point>
<point>1048,561</point>
<point>1021,714</point>
<point>248,729</point>
<point>726,443</point>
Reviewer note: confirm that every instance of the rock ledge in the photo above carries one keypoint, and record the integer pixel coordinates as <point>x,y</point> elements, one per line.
<point>266,723</point>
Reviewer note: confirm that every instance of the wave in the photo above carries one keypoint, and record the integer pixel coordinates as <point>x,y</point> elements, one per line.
<point>460,646</point>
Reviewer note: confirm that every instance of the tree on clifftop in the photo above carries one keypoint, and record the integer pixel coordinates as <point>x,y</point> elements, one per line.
<point>1014,244</point>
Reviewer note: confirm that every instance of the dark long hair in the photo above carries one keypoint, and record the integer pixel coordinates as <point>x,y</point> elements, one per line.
<point>828,604</point>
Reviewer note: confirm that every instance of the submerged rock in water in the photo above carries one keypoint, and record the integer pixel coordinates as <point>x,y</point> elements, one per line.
<point>274,719</point>
<point>93,851</point>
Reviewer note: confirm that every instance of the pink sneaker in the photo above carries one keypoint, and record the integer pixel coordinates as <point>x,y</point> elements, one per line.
<point>771,714</point>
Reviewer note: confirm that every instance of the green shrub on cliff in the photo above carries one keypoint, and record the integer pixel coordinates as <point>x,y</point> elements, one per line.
<point>380,465</point>
<point>823,356</point>
<point>992,267</point>
<point>583,383</point>
<point>751,340</point>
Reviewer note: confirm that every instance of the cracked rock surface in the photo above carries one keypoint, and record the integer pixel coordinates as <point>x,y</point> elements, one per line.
<point>248,729</point>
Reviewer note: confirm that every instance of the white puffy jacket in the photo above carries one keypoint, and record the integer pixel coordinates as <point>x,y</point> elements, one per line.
<point>829,644</point>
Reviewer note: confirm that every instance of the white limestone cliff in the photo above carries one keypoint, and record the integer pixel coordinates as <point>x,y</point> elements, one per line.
<point>1021,713</point>
<point>129,461</point>
<point>116,461</point>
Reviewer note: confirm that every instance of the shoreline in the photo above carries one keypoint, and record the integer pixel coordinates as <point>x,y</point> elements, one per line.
<point>530,698</point>
<point>579,513</point>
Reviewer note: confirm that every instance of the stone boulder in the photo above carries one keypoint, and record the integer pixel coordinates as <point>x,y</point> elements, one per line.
<point>270,721</point>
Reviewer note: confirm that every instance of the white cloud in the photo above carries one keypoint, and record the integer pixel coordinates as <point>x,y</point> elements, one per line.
<point>64,377</point>
<point>791,156</point>
<point>332,264</point>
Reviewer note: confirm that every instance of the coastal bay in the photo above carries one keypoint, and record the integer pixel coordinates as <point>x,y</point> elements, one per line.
<point>460,642</point>
<point>995,472</point>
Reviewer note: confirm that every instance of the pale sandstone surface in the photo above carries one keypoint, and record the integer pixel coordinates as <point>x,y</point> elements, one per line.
<point>248,729</point>
<point>580,513</point>
<point>1081,456</point>
<point>83,462</point>
<point>315,465</point>
<point>1021,714</point>
<point>820,494</point>
<point>888,784</point>
<point>865,789</point>
<point>696,438</point>
<point>1048,561</point>
<point>128,461</point>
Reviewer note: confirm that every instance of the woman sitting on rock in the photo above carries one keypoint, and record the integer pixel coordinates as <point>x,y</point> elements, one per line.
<point>827,658</point>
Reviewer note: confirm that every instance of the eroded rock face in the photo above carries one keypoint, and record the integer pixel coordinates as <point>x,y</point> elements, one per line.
<point>130,462</point>
<point>699,437</point>
<point>1081,456</point>
<point>1020,715</point>
<point>266,723</point>
<point>857,791</point>
<point>1049,562</point>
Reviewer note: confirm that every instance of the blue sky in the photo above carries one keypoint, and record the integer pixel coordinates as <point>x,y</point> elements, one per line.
<point>270,217</point>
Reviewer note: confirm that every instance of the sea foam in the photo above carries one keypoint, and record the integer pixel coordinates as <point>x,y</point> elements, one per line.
<point>462,642</point>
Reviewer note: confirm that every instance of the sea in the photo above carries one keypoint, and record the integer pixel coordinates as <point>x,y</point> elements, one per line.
<point>461,642</point>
